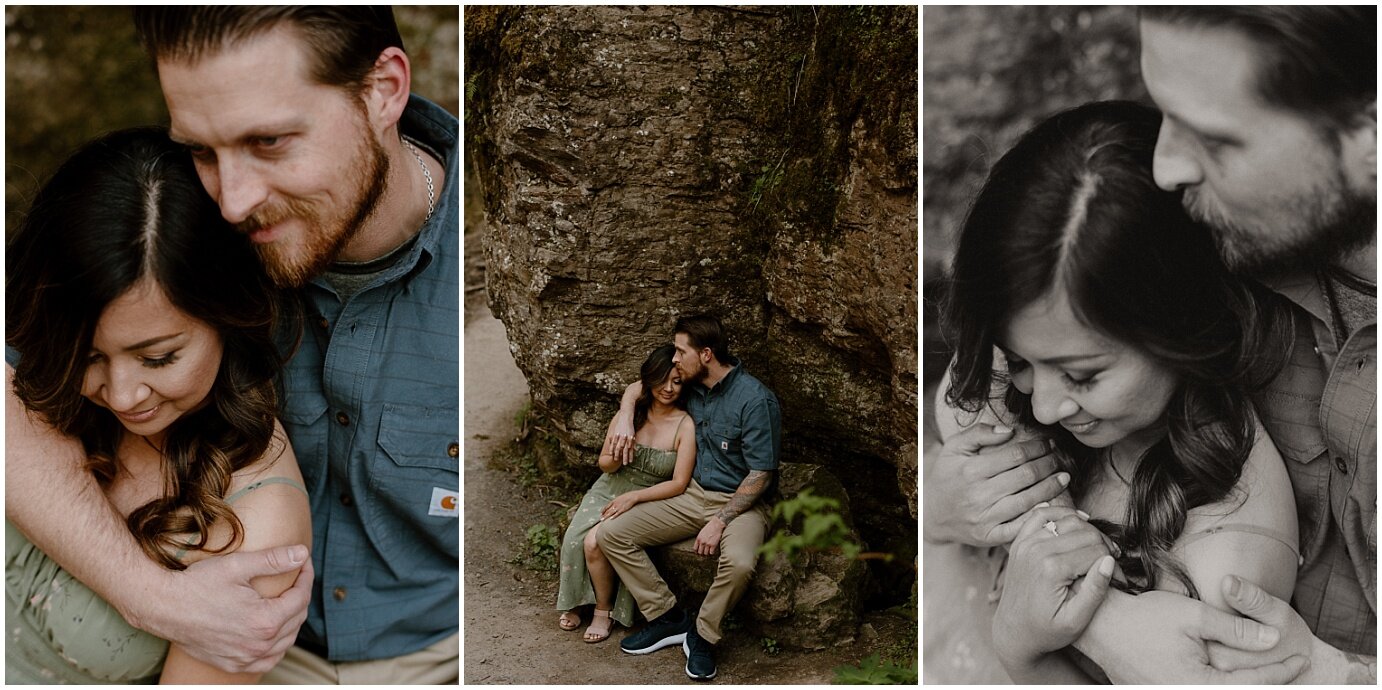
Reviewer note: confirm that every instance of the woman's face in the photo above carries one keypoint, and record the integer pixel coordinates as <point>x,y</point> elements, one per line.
<point>1102,391</point>
<point>150,363</point>
<point>669,390</point>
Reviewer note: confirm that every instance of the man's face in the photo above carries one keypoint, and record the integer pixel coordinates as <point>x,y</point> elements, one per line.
<point>291,162</point>
<point>688,360</point>
<point>1279,190</point>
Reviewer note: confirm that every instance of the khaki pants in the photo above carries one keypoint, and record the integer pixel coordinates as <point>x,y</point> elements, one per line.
<point>436,665</point>
<point>626,538</point>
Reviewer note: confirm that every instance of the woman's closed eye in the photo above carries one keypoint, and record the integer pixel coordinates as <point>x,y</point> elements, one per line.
<point>162,361</point>
<point>1079,383</point>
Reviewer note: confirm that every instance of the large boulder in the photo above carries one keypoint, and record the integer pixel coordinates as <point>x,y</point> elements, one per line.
<point>640,163</point>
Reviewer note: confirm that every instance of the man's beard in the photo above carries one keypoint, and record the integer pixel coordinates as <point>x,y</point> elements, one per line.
<point>291,265</point>
<point>1336,223</point>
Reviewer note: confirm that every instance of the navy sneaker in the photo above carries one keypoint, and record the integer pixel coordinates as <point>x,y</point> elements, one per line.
<point>667,630</point>
<point>700,655</point>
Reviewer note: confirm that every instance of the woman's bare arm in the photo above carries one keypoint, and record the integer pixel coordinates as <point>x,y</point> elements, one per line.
<point>272,515</point>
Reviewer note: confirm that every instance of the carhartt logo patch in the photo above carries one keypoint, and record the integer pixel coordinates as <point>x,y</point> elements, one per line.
<point>445,503</point>
<point>724,445</point>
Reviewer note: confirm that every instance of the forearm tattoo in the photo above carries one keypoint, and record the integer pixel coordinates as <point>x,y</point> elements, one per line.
<point>753,486</point>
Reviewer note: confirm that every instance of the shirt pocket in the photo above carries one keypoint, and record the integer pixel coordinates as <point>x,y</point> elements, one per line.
<point>1292,423</point>
<point>419,453</point>
<point>728,438</point>
<point>303,419</point>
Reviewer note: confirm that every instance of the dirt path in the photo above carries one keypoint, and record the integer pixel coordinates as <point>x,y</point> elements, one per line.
<point>510,632</point>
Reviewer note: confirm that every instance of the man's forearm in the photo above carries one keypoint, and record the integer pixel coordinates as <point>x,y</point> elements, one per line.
<point>754,486</point>
<point>87,537</point>
<point>1097,640</point>
<point>1330,666</point>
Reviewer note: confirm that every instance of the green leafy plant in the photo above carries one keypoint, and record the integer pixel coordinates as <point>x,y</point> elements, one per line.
<point>874,671</point>
<point>541,549</point>
<point>769,645</point>
<point>821,527</point>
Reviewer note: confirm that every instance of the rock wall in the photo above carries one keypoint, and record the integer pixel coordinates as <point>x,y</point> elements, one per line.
<point>638,163</point>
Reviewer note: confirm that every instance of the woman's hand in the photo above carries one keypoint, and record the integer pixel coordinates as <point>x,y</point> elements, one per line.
<point>620,505</point>
<point>982,482</point>
<point>1055,581</point>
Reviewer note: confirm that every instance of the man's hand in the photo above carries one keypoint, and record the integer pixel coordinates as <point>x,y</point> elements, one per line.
<point>708,541</point>
<point>1160,637</point>
<point>216,615</point>
<point>1043,609</point>
<point>981,482</point>
<point>620,436</point>
<point>1328,666</point>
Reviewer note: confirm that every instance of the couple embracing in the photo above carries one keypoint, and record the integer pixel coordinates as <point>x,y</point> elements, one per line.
<point>231,448</point>
<point>692,452</point>
<point>1161,415</point>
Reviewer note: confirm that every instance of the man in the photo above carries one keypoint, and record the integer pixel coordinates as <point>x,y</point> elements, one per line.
<point>738,440</point>
<point>1275,149</point>
<point>303,130</point>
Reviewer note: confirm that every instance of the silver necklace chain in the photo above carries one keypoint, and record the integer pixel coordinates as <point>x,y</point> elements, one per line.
<point>427,175</point>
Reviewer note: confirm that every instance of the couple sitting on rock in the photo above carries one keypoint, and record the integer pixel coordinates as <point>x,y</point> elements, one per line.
<point>690,395</point>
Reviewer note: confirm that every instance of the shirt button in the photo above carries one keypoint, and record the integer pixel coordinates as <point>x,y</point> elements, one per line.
<point>1317,349</point>
<point>339,593</point>
<point>454,450</point>
<point>345,500</point>
<point>342,419</point>
<point>322,322</point>
<point>1340,465</point>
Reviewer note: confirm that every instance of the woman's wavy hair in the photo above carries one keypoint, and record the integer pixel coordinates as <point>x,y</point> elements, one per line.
<point>656,368</point>
<point>125,207</point>
<point>1073,207</point>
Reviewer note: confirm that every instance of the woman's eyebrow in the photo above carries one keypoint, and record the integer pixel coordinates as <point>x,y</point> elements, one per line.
<point>150,342</point>
<point>1063,359</point>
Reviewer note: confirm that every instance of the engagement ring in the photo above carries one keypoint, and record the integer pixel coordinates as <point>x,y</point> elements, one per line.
<point>1050,526</point>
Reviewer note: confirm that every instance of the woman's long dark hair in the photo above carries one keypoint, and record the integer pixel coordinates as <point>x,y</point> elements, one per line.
<point>1073,207</point>
<point>656,368</point>
<point>124,207</point>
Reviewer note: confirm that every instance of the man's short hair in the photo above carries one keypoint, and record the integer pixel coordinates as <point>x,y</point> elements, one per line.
<point>1317,60</point>
<point>704,330</point>
<point>345,41</point>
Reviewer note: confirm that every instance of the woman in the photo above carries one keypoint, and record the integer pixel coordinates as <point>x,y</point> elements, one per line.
<point>1087,308</point>
<point>663,459</point>
<point>143,325</point>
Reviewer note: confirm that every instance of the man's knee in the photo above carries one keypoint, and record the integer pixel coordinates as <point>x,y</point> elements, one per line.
<point>610,535</point>
<point>738,566</point>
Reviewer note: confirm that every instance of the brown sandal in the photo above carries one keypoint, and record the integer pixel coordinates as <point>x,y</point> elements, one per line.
<point>599,627</point>
<point>569,620</point>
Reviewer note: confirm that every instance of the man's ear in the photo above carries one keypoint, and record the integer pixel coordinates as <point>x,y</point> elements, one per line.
<point>386,92</point>
<point>1358,149</point>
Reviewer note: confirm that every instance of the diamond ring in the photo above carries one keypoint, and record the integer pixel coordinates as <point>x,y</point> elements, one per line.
<point>1050,526</point>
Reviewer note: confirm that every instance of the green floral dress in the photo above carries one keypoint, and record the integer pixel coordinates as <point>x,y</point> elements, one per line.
<point>650,466</point>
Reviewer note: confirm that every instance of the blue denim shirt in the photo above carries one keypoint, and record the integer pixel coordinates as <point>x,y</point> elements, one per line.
<point>738,429</point>
<point>371,404</point>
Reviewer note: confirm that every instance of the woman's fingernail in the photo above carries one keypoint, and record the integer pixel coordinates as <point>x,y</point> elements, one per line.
<point>1043,504</point>
<point>1082,514</point>
<point>1000,429</point>
<point>1063,478</point>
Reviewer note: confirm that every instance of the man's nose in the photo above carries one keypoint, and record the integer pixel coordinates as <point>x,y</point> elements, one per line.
<point>1174,164</point>
<point>241,188</point>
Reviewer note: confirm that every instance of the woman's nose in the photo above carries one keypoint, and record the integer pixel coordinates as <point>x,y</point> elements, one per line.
<point>125,389</point>
<point>1050,404</point>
